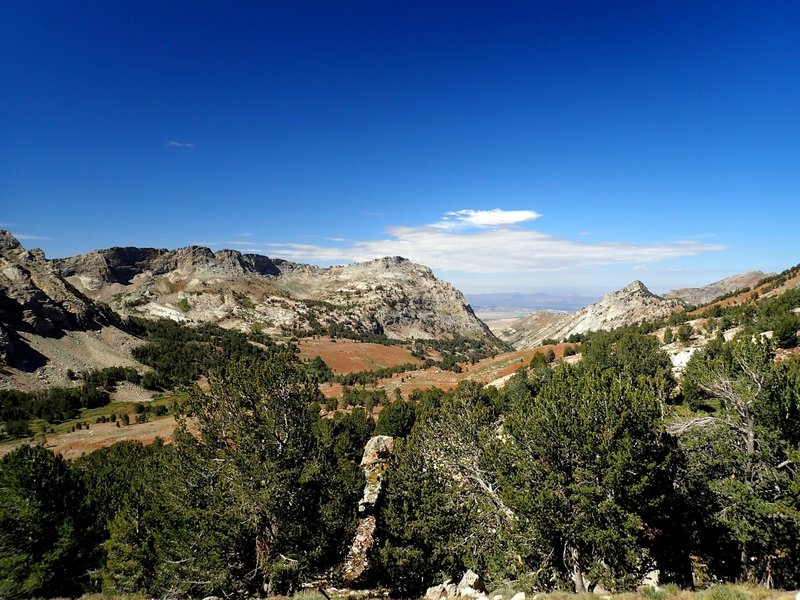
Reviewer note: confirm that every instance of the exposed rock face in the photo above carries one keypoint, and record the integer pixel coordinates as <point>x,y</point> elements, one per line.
<point>47,327</point>
<point>375,462</point>
<point>712,291</point>
<point>630,305</point>
<point>35,297</point>
<point>390,295</point>
<point>471,587</point>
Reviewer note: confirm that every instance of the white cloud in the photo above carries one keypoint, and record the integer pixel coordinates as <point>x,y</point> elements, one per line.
<point>181,145</point>
<point>485,218</point>
<point>494,247</point>
<point>28,237</point>
<point>237,243</point>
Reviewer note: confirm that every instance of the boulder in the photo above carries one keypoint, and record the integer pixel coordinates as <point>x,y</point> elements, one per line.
<point>651,579</point>
<point>440,592</point>
<point>379,449</point>
<point>471,585</point>
<point>6,345</point>
<point>518,596</point>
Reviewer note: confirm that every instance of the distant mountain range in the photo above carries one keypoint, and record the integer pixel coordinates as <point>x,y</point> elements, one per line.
<point>631,305</point>
<point>72,313</point>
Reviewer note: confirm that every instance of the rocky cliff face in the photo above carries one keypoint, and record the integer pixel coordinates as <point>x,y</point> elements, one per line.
<point>630,305</point>
<point>35,297</point>
<point>390,295</point>
<point>707,293</point>
<point>48,327</point>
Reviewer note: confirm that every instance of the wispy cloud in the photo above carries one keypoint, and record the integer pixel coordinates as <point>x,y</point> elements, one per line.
<point>181,145</point>
<point>29,237</point>
<point>473,241</point>
<point>245,234</point>
<point>237,243</point>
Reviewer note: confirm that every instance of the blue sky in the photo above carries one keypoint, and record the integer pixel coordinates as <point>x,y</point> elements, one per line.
<point>530,146</point>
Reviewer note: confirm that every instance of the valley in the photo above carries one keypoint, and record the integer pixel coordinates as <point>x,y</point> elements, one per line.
<point>210,364</point>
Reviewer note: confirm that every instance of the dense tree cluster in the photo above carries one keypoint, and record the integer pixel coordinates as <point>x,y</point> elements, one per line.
<point>582,475</point>
<point>265,497</point>
<point>179,355</point>
<point>54,405</point>
<point>572,476</point>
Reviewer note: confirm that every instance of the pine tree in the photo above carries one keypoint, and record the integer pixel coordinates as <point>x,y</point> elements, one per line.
<point>41,553</point>
<point>589,470</point>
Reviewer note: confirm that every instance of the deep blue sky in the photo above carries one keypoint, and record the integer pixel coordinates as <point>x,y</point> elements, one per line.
<point>655,140</point>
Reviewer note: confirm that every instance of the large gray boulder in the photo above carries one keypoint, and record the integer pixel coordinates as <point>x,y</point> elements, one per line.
<point>471,585</point>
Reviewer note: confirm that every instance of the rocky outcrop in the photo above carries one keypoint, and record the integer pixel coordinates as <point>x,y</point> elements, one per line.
<point>471,587</point>
<point>122,265</point>
<point>628,306</point>
<point>375,462</point>
<point>390,296</point>
<point>33,295</point>
<point>712,291</point>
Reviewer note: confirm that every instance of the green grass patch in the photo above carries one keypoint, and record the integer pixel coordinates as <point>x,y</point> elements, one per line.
<point>90,415</point>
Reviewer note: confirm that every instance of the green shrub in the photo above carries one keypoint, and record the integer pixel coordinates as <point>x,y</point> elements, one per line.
<point>722,592</point>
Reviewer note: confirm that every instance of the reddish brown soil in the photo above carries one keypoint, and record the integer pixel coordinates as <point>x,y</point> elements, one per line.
<point>782,354</point>
<point>348,356</point>
<point>485,371</point>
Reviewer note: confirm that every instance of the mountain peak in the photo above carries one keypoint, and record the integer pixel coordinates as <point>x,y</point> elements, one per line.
<point>8,241</point>
<point>632,304</point>
<point>635,287</point>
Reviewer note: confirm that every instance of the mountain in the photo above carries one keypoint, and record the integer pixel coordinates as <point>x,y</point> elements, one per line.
<point>47,326</point>
<point>712,291</point>
<point>390,296</point>
<point>632,304</point>
<point>34,297</point>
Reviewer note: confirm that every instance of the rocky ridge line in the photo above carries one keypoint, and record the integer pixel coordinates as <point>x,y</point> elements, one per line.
<point>391,296</point>
<point>631,305</point>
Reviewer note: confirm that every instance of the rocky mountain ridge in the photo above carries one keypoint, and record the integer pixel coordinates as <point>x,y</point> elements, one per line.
<point>47,326</point>
<point>707,293</point>
<point>632,304</point>
<point>34,296</point>
<point>390,296</point>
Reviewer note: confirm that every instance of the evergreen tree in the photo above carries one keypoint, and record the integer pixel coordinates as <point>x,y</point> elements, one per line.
<point>588,470</point>
<point>41,552</point>
<point>741,463</point>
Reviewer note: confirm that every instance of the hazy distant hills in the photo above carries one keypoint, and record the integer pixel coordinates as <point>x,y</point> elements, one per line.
<point>540,301</point>
<point>631,305</point>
